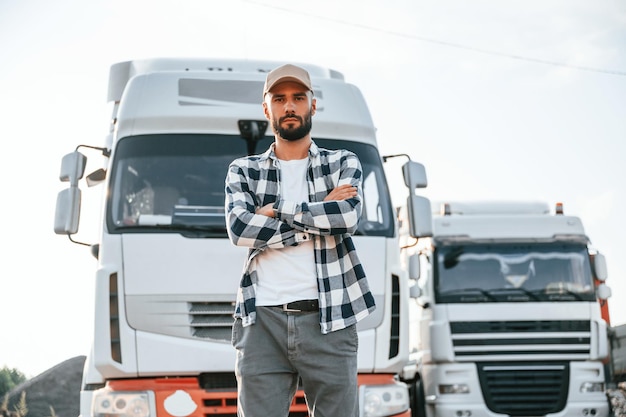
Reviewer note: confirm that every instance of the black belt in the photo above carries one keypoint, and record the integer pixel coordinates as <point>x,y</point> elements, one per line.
<point>300,306</point>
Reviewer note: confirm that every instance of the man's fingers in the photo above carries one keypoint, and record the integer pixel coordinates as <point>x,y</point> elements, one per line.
<point>343,192</point>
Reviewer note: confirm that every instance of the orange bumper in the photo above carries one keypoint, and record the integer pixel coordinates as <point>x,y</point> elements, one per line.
<point>219,402</point>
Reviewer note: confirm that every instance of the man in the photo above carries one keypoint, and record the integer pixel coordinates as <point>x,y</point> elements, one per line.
<point>303,288</point>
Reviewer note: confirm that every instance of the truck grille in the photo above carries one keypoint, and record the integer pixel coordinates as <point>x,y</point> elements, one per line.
<point>524,390</point>
<point>523,365</point>
<point>521,340</point>
<point>178,316</point>
<point>211,320</point>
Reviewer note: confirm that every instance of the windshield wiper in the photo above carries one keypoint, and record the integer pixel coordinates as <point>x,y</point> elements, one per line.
<point>529,294</point>
<point>561,294</point>
<point>463,291</point>
<point>184,229</point>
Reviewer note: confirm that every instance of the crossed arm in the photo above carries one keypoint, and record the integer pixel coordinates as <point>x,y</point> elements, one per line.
<point>283,223</point>
<point>342,192</point>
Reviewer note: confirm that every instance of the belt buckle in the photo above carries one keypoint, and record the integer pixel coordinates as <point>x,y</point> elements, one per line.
<point>286,309</point>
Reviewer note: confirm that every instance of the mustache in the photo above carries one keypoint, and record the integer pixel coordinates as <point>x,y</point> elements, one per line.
<point>290,116</point>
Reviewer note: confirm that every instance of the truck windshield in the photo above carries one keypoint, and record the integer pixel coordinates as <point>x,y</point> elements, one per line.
<point>513,273</point>
<point>175,183</point>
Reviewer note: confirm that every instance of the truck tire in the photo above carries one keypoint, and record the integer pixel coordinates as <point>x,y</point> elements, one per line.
<point>418,401</point>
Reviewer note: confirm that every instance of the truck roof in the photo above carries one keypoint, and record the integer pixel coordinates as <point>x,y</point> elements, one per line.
<point>490,221</point>
<point>191,96</point>
<point>121,72</point>
<point>496,207</point>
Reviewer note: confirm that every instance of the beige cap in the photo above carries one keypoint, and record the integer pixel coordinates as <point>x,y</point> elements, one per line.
<point>284,73</point>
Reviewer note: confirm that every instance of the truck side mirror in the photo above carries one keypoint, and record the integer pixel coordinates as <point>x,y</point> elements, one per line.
<point>73,168</point>
<point>414,274</point>
<point>414,266</point>
<point>96,177</point>
<point>603,292</point>
<point>414,175</point>
<point>67,212</point>
<point>420,215</point>
<point>599,267</point>
<point>415,291</point>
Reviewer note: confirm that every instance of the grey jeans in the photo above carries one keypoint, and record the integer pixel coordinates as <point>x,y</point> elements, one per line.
<point>282,346</point>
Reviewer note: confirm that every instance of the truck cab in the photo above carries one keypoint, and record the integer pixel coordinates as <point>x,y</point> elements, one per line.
<point>507,320</point>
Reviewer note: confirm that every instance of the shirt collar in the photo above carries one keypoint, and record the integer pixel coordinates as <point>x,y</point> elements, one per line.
<point>270,154</point>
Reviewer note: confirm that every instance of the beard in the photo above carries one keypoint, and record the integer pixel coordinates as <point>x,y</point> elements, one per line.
<point>293,133</point>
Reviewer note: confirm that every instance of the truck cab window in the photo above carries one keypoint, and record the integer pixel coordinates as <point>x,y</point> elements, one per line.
<point>178,180</point>
<point>534,272</point>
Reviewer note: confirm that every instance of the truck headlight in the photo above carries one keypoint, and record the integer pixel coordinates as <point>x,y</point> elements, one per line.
<point>589,386</point>
<point>384,400</point>
<point>108,403</point>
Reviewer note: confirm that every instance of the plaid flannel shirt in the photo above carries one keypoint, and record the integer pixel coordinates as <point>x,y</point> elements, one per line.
<point>253,182</point>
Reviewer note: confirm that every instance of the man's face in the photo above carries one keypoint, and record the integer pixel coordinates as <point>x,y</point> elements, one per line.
<point>289,106</point>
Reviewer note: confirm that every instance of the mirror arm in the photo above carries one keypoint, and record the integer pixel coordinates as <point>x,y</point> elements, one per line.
<point>69,236</point>
<point>105,151</point>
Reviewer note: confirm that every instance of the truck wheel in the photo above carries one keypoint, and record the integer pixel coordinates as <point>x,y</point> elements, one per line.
<point>418,401</point>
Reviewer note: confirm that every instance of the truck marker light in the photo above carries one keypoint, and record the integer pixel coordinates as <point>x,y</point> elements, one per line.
<point>559,208</point>
<point>587,387</point>
<point>454,389</point>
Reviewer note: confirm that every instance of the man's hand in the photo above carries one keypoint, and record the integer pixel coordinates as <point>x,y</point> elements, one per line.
<point>266,210</point>
<point>343,192</point>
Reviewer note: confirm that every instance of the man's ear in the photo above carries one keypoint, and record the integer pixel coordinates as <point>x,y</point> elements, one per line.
<point>266,111</point>
<point>313,105</point>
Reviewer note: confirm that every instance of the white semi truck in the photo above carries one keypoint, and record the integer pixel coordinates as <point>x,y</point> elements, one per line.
<point>508,318</point>
<point>167,274</point>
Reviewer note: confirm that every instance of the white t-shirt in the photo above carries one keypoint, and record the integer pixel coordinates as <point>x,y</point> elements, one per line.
<point>288,274</point>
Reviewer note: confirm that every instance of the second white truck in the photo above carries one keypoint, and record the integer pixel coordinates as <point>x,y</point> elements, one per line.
<point>508,318</point>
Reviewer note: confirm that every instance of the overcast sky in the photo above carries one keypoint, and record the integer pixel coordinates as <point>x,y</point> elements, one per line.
<point>499,100</point>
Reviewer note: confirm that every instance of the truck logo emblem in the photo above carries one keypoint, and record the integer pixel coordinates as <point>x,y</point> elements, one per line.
<point>180,404</point>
